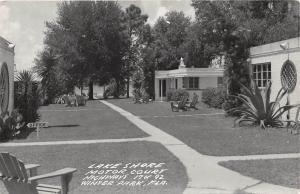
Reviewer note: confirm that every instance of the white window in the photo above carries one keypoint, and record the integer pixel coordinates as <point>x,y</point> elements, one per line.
<point>262,74</point>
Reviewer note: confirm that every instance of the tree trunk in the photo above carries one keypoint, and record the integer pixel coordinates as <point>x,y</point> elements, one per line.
<point>128,82</point>
<point>103,95</point>
<point>117,94</point>
<point>91,90</point>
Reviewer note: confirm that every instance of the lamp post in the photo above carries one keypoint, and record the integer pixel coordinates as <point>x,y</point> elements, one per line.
<point>286,46</point>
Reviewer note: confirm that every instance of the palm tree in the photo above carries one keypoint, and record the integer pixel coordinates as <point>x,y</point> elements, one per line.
<point>25,80</point>
<point>27,97</point>
<point>45,68</point>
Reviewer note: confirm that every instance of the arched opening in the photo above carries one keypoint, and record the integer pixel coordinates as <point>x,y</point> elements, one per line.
<point>288,76</point>
<point>4,88</point>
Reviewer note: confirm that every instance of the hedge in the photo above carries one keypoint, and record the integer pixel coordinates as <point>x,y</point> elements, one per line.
<point>214,97</point>
<point>176,94</point>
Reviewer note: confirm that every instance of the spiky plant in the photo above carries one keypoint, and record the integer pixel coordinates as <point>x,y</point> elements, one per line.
<point>258,109</point>
<point>27,97</point>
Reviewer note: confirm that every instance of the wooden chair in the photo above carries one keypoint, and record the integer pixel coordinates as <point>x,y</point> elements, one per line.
<point>294,125</point>
<point>80,100</point>
<point>193,103</point>
<point>70,101</point>
<point>179,105</point>
<point>17,181</point>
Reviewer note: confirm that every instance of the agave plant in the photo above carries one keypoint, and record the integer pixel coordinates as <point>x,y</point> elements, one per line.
<point>258,109</point>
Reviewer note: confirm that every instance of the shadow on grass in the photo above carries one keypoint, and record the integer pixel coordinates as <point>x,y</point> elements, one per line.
<point>76,125</point>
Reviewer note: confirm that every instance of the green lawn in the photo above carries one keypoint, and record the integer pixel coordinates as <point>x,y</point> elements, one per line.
<point>82,156</point>
<point>93,121</point>
<point>213,134</point>
<point>285,172</point>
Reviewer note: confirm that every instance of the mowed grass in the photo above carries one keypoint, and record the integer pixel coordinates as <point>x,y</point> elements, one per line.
<point>82,156</point>
<point>284,172</point>
<point>213,134</point>
<point>93,121</point>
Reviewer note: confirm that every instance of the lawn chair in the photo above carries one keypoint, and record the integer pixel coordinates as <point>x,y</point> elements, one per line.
<point>193,103</point>
<point>70,100</point>
<point>179,105</point>
<point>81,101</point>
<point>17,181</point>
<point>294,125</point>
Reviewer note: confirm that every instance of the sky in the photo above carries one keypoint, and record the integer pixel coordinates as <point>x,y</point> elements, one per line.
<point>23,22</point>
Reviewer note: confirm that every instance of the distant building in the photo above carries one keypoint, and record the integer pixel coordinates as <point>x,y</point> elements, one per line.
<point>278,62</point>
<point>194,80</point>
<point>6,59</point>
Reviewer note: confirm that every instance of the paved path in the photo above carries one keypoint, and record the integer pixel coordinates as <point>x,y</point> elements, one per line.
<point>72,142</point>
<point>205,175</point>
<point>184,115</point>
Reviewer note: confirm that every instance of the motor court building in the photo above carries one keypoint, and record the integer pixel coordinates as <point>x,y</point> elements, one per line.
<point>7,75</point>
<point>194,80</point>
<point>278,62</point>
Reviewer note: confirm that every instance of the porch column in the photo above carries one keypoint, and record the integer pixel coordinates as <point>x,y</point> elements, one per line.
<point>161,90</point>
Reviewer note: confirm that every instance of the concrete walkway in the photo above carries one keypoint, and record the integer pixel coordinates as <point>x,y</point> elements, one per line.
<point>205,175</point>
<point>72,142</point>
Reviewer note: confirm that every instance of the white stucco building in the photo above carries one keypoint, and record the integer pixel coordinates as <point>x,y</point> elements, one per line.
<point>269,62</point>
<point>7,59</point>
<point>190,79</point>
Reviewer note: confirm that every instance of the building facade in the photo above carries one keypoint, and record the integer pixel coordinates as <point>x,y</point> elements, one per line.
<point>278,62</point>
<point>7,59</point>
<point>194,80</point>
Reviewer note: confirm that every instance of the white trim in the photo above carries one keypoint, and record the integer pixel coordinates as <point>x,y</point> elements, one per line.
<point>292,50</point>
<point>189,72</point>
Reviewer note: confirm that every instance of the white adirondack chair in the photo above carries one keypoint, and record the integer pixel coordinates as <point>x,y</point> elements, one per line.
<point>17,181</point>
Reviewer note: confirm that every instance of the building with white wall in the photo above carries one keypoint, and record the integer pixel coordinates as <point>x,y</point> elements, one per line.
<point>194,80</point>
<point>6,59</point>
<point>280,63</point>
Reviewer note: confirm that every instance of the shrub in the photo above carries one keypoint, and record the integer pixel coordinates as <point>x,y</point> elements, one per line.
<point>176,94</point>
<point>207,95</point>
<point>214,97</point>
<point>112,90</point>
<point>258,109</point>
<point>10,124</point>
<point>231,103</point>
<point>28,105</point>
<point>140,96</point>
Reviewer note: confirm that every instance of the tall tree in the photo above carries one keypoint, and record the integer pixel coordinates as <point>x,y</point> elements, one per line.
<point>46,69</point>
<point>89,38</point>
<point>170,35</point>
<point>231,28</point>
<point>135,22</point>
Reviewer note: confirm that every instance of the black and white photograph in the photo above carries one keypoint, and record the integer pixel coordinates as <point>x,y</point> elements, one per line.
<point>150,97</point>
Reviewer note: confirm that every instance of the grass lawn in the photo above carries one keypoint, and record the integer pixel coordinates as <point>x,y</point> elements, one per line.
<point>285,172</point>
<point>93,121</point>
<point>82,156</point>
<point>213,134</point>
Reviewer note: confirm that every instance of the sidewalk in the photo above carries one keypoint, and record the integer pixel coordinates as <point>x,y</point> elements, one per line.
<point>205,175</point>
